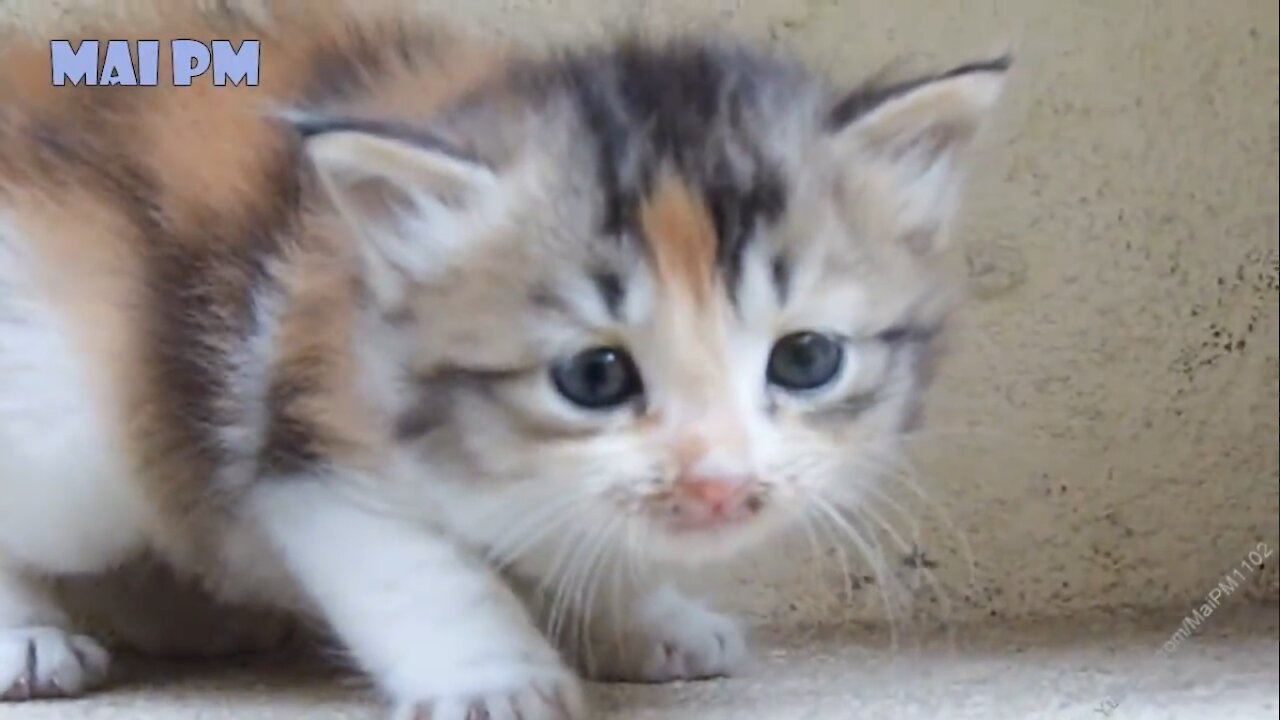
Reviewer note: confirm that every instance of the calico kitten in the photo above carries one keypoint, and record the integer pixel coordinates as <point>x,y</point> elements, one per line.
<point>451,348</point>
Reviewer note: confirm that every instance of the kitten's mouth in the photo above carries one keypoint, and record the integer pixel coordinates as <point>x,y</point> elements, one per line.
<point>686,518</point>
<point>693,533</point>
<point>704,525</point>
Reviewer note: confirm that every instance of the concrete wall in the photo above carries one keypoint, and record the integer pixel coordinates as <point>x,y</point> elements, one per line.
<point>1106,432</point>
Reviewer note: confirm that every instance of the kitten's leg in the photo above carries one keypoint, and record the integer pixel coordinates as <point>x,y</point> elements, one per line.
<point>434,627</point>
<point>39,657</point>
<point>655,637</point>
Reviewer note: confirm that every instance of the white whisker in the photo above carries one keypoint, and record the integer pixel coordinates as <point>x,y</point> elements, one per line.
<point>562,602</point>
<point>586,598</point>
<point>910,549</point>
<point>908,477</point>
<point>843,557</point>
<point>871,551</point>
<point>515,543</point>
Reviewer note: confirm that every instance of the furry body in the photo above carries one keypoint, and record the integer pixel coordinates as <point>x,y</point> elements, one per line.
<point>294,339</point>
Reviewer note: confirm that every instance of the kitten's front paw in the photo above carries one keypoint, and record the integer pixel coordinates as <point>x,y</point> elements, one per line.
<point>515,692</point>
<point>48,662</point>
<point>693,646</point>
<point>676,639</point>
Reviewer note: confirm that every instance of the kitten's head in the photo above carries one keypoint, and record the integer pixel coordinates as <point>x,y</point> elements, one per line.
<point>670,295</point>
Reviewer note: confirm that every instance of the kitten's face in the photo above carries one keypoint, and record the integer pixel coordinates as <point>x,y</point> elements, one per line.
<point>695,297</point>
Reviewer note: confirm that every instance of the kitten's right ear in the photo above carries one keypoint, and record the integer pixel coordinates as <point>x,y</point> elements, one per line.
<point>410,197</point>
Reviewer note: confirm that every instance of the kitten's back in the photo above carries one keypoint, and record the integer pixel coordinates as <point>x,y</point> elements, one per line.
<point>209,146</point>
<point>135,226</point>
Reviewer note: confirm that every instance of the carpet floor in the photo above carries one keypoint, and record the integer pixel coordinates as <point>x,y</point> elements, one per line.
<point>1083,668</point>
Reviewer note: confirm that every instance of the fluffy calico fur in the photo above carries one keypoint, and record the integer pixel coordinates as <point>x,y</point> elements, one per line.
<point>302,341</point>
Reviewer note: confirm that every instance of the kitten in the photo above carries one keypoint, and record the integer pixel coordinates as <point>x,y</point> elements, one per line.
<point>454,349</point>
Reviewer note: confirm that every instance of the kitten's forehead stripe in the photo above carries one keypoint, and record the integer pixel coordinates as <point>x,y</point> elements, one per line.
<point>780,274</point>
<point>691,111</point>
<point>738,214</point>
<point>607,130</point>
<point>612,292</point>
<point>681,237</point>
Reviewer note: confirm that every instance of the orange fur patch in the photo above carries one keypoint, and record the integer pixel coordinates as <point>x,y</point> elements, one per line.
<point>80,165</point>
<point>313,350</point>
<point>682,238</point>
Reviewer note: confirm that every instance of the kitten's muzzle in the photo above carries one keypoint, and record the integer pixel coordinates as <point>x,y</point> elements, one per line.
<point>704,502</point>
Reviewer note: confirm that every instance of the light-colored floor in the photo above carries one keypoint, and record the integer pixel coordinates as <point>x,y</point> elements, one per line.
<point>1090,668</point>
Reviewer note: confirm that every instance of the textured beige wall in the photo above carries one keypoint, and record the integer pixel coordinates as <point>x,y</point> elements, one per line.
<point>1106,432</point>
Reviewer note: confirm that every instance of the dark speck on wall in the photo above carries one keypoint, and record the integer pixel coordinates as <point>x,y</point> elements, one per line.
<point>918,558</point>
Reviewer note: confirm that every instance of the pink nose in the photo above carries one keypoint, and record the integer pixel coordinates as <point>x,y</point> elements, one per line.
<point>717,494</point>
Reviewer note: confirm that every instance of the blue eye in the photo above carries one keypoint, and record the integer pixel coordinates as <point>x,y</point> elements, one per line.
<point>598,378</point>
<point>804,361</point>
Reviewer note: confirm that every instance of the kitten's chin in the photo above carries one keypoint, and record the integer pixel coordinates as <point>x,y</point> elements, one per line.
<point>707,544</point>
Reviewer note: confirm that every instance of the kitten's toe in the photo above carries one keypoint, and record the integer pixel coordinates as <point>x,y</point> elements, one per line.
<point>673,639</point>
<point>48,662</point>
<point>701,645</point>
<point>514,693</point>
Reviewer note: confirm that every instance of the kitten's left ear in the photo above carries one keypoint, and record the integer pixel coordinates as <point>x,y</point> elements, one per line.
<point>906,139</point>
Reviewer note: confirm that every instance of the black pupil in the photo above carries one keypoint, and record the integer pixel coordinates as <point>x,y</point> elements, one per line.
<point>805,360</point>
<point>597,378</point>
<point>600,373</point>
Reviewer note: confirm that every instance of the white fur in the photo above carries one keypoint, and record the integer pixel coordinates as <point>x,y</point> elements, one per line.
<point>248,383</point>
<point>679,639</point>
<point>65,502</point>
<point>661,636</point>
<point>431,624</point>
